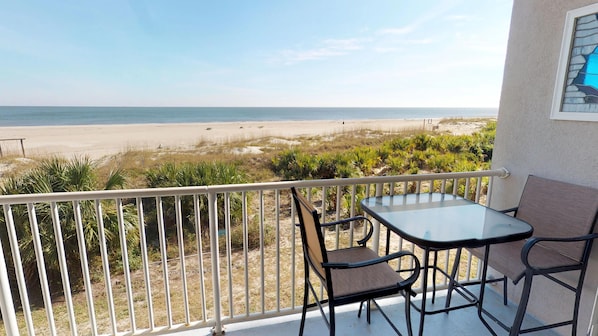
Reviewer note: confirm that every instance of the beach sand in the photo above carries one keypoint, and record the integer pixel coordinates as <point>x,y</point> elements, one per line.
<point>97,141</point>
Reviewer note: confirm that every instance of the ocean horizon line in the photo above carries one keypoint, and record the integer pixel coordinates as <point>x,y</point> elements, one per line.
<point>232,106</point>
<point>102,115</point>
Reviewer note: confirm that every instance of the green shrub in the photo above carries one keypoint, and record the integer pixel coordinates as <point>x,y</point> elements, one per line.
<point>404,154</point>
<point>294,165</point>
<point>60,175</point>
<point>192,174</point>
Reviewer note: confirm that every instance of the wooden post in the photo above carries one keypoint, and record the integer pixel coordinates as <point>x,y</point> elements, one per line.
<point>22,146</point>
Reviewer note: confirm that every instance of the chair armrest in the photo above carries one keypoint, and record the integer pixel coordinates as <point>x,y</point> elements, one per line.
<point>397,255</point>
<point>370,229</point>
<point>529,245</point>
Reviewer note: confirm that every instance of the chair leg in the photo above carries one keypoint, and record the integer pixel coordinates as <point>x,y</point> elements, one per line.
<point>408,313</point>
<point>527,286</point>
<point>332,318</point>
<point>367,310</point>
<point>304,310</point>
<point>576,309</point>
<point>505,285</point>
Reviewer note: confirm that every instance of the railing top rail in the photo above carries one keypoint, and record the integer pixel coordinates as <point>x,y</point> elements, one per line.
<point>179,191</point>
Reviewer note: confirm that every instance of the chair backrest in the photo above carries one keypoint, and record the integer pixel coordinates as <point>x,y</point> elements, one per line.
<point>314,249</point>
<point>559,209</point>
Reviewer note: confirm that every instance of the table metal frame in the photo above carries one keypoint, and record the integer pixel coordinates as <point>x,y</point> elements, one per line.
<point>386,214</point>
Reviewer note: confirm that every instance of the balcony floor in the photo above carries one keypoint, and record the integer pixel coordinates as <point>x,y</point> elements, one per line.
<point>463,322</point>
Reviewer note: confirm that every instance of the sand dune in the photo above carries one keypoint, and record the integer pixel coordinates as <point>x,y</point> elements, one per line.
<point>97,141</point>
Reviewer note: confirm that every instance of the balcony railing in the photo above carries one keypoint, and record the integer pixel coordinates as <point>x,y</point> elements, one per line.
<point>182,258</point>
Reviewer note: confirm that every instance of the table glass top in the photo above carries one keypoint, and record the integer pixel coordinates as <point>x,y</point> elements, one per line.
<point>444,220</point>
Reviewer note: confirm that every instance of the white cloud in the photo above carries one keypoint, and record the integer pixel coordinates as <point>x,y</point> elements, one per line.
<point>397,31</point>
<point>330,48</point>
<point>458,18</point>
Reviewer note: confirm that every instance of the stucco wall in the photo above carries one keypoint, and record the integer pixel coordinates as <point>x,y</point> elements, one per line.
<point>529,142</point>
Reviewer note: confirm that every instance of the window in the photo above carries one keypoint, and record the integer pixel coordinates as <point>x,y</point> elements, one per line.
<point>576,90</point>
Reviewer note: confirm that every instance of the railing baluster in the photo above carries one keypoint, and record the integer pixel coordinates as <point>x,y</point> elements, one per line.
<point>106,266</point>
<point>145,262</point>
<point>293,253</point>
<point>478,190</point>
<point>352,213</point>
<point>84,263</point>
<point>376,234</point>
<point>6,303</point>
<point>64,274</point>
<point>277,221</point>
<point>447,260</point>
<point>337,215</point>
<point>455,186</point>
<point>323,208</point>
<point>229,264</point>
<point>181,245</point>
<point>262,261</point>
<point>198,237</point>
<point>125,258</point>
<point>213,219</point>
<point>164,259</point>
<point>467,183</point>
<point>41,268</point>
<point>469,265</point>
<point>246,251</point>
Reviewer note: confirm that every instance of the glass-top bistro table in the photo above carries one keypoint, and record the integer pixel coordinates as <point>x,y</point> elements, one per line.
<point>435,222</point>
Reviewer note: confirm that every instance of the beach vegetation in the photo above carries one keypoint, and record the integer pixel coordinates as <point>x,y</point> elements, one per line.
<point>188,174</point>
<point>64,220</point>
<point>423,152</point>
<point>405,154</point>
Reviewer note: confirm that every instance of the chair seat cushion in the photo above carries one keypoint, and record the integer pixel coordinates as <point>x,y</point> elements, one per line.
<point>506,258</point>
<point>374,278</point>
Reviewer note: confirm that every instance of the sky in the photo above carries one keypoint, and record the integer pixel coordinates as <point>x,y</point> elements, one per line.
<point>308,53</point>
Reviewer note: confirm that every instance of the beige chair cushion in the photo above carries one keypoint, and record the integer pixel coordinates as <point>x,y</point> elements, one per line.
<point>362,279</point>
<point>506,258</point>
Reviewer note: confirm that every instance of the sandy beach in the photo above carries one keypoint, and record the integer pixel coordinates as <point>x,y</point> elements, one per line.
<point>97,141</point>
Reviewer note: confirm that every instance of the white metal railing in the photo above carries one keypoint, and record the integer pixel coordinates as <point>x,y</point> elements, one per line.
<point>181,271</point>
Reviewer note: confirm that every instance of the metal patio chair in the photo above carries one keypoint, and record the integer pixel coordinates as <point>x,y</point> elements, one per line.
<point>350,275</point>
<point>564,217</point>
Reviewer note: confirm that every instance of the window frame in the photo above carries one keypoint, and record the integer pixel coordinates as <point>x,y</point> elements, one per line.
<point>557,112</point>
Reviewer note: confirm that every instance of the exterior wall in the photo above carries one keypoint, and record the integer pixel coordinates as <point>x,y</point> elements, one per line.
<point>529,142</point>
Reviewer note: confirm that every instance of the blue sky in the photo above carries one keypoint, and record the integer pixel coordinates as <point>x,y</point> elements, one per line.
<point>337,53</point>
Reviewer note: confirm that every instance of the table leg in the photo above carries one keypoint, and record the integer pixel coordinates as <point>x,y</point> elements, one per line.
<point>434,267</point>
<point>482,290</point>
<point>422,312</point>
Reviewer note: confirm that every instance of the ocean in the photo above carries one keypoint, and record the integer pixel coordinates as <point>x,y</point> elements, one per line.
<point>58,116</point>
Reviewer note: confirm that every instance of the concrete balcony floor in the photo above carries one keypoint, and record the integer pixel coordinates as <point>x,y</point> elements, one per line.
<point>463,322</point>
